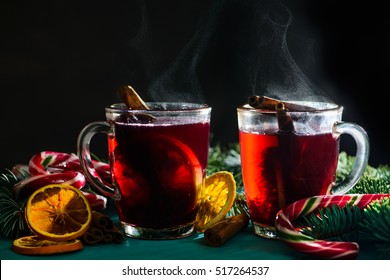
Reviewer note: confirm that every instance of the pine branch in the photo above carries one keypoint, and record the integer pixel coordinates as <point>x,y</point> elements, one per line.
<point>370,225</point>
<point>375,225</point>
<point>226,158</point>
<point>334,223</point>
<point>12,221</point>
<point>370,185</point>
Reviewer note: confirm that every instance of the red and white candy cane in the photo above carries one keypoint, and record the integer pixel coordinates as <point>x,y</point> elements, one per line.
<point>96,201</point>
<point>319,248</point>
<point>49,167</point>
<point>40,163</point>
<point>26,187</point>
<point>47,162</point>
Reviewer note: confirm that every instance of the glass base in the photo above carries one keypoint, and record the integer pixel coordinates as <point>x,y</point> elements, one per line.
<point>166,233</point>
<point>264,231</point>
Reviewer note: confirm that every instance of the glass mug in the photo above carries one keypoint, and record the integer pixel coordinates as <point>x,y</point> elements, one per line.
<point>158,161</point>
<point>280,167</point>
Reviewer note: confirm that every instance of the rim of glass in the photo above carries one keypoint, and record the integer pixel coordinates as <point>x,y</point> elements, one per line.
<point>318,107</point>
<point>162,107</point>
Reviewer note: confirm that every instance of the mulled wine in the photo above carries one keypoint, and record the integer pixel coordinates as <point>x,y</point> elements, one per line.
<point>281,168</point>
<point>158,157</point>
<point>158,170</point>
<point>289,151</point>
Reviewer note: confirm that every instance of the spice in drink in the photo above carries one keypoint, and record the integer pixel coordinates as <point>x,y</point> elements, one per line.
<point>268,103</point>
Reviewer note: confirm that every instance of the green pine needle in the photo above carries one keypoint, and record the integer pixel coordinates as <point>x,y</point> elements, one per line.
<point>370,225</point>
<point>12,221</point>
<point>371,185</point>
<point>226,158</point>
<point>375,225</point>
<point>377,214</point>
<point>333,223</point>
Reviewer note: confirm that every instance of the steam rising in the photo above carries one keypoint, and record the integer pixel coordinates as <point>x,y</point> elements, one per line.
<point>180,82</point>
<point>258,51</point>
<point>272,71</point>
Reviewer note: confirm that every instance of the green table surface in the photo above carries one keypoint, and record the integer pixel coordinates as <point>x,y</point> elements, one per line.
<point>243,246</point>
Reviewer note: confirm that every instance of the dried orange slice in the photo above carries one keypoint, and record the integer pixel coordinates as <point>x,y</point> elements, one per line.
<point>217,198</point>
<point>58,212</point>
<point>34,245</point>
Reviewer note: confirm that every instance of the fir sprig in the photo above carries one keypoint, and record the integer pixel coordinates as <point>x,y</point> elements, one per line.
<point>374,180</point>
<point>370,225</point>
<point>12,221</point>
<point>333,223</point>
<point>226,158</point>
<point>375,225</point>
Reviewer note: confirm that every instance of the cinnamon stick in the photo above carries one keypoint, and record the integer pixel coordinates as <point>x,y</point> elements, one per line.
<point>102,221</point>
<point>285,122</point>
<point>225,229</point>
<point>134,102</point>
<point>280,186</point>
<point>131,98</point>
<point>268,103</point>
<point>286,126</point>
<point>93,235</point>
<point>108,238</point>
<point>102,229</point>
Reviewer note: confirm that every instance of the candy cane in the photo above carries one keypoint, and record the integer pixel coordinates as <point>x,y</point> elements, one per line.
<point>319,248</point>
<point>48,162</point>
<point>96,201</point>
<point>102,169</point>
<point>27,186</point>
<point>49,167</point>
<point>39,164</point>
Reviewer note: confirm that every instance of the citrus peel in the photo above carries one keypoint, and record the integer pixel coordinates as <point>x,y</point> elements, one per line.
<point>216,200</point>
<point>34,245</point>
<point>58,212</point>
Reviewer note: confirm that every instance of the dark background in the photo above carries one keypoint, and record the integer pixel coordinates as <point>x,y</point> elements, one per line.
<point>60,63</point>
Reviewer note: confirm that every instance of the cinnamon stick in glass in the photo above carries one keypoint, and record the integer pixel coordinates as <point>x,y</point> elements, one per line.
<point>131,98</point>
<point>268,103</point>
<point>134,102</point>
<point>285,122</point>
<point>225,229</point>
<point>286,126</point>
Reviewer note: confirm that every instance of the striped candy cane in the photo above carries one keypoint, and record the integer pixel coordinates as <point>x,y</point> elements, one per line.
<point>319,248</point>
<point>26,187</point>
<point>47,162</point>
<point>41,163</point>
<point>49,167</point>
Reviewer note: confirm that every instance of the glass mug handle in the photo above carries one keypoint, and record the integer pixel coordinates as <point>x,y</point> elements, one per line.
<point>361,157</point>
<point>84,154</point>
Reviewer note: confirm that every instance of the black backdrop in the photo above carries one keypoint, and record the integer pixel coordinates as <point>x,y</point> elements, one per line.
<point>60,63</point>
